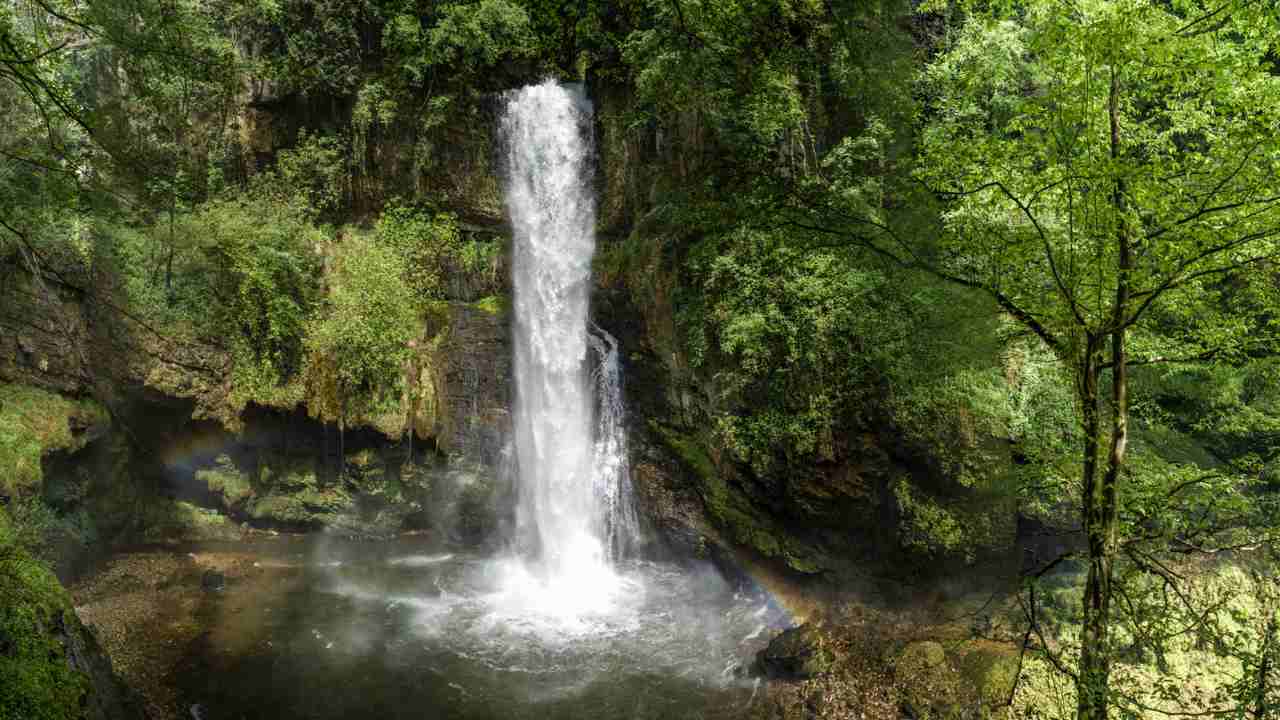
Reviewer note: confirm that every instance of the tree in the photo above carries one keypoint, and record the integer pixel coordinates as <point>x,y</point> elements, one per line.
<point>1109,173</point>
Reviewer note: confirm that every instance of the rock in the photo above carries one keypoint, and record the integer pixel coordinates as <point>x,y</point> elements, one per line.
<point>213,580</point>
<point>51,665</point>
<point>928,685</point>
<point>227,481</point>
<point>991,668</point>
<point>796,654</point>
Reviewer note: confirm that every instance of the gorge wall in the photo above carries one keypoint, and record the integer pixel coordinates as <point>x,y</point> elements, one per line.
<point>179,452</point>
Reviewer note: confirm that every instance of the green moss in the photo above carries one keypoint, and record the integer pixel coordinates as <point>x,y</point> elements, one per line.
<point>226,480</point>
<point>688,450</point>
<point>172,520</point>
<point>990,668</point>
<point>928,686</point>
<point>733,512</point>
<point>493,304</point>
<point>305,507</point>
<point>293,476</point>
<point>34,422</point>
<point>36,680</point>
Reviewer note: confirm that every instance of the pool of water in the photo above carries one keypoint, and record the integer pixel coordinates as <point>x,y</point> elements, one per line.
<point>323,629</point>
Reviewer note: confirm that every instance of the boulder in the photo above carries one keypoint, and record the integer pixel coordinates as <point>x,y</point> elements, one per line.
<point>928,685</point>
<point>990,668</point>
<point>50,664</point>
<point>796,654</point>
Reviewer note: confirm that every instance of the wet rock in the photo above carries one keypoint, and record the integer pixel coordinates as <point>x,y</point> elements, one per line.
<point>226,481</point>
<point>213,580</point>
<point>990,668</point>
<point>796,654</point>
<point>928,685</point>
<point>51,665</point>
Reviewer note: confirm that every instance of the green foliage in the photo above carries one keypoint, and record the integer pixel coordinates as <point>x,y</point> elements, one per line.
<point>311,175</point>
<point>465,37</point>
<point>48,534</point>
<point>36,679</point>
<point>34,422</point>
<point>261,264</point>
<point>1197,649</point>
<point>1196,156</point>
<point>757,75</point>
<point>439,261</point>
<point>1108,176</point>
<point>426,243</point>
<point>359,343</point>
<point>791,323</point>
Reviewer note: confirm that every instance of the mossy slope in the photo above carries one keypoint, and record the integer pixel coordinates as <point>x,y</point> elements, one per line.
<point>51,667</point>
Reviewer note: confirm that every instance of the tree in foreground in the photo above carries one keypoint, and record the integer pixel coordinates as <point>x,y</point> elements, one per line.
<point>1109,173</point>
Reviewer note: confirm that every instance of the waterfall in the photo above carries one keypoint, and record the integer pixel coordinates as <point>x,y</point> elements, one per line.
<point>611,475</point>
<point>574,507</point>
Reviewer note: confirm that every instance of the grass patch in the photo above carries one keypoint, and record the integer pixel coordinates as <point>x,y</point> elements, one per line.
<point>34,422</point>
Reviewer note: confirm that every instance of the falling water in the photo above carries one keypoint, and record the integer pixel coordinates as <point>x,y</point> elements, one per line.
<point>574,512</point>
<point>611,476</point>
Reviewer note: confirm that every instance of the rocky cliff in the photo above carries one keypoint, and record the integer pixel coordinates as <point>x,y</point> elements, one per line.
<point>182,433</point>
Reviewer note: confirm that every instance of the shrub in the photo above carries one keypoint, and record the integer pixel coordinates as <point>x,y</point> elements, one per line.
<point>359,343</point>
<point>261,274</point>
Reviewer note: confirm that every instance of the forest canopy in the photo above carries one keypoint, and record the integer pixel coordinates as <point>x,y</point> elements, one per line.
<point>1038,239</point>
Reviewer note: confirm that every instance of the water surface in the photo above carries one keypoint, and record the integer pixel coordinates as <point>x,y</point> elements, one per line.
<point>324,629</point>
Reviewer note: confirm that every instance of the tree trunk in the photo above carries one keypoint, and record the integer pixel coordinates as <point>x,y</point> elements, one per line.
<point>1264,669</point>
<point>1095,658</point>
<point>1100,501</point>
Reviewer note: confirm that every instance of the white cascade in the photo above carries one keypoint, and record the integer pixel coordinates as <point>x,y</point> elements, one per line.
<point>574,510</point>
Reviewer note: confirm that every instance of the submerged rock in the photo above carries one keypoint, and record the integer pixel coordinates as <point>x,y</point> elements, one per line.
<point>796,654</point>
<point>213,580</point>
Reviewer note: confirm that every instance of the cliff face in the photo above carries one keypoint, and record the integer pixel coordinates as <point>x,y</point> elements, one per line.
<point>845,510</point>
<point>169,452</point>
<point>180,432</point>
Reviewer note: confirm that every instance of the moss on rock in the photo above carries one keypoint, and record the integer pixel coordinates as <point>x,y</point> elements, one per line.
<point>36,681</point>
<point>34,422</point>
<point>226,480</point>
<point>306,507</point>
<point>928,685</point>
<point>731,510</point>
<point>493,304</point>
<point>796,654</point>
<point>991,669</point>
<point>50,665</point>
<point>169,520</point>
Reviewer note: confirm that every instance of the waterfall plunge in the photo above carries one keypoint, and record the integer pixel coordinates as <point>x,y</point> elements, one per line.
<point>574,514</point>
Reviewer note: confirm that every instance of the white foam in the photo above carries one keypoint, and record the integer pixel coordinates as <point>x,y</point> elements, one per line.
<point>414,561</point>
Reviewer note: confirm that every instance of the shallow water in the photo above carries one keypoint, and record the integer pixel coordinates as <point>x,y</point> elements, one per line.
<point>325,629</point>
